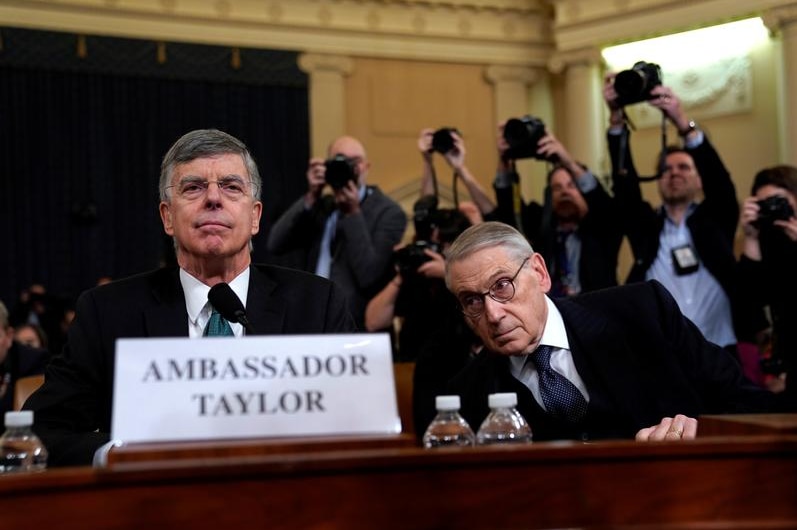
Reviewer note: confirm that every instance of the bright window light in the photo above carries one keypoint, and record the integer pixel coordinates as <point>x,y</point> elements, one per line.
<point>690,49</point>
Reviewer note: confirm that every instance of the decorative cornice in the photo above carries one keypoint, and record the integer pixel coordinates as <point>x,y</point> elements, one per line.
<point>497,74</point>
<point>579,23</point>
<point>316,62</point>
<point>780,17</point>
<point>559,61</point>
<point>511,32</point>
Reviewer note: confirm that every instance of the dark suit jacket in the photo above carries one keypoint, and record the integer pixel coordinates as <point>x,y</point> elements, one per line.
<point>712,224</point>
<point>73,407</point>
<point>641,360</point>
<point>600,231</point>
<point>362,250</point>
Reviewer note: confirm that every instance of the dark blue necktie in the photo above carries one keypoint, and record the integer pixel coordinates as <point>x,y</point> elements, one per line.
<point>218,326</point>
<point>560,397</point>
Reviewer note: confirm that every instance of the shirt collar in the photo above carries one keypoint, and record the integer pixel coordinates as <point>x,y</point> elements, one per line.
<point>554,333</point>
<point>196,292</point>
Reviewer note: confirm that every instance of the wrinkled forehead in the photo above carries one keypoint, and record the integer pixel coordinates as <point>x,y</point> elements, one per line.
<point>477,271</point>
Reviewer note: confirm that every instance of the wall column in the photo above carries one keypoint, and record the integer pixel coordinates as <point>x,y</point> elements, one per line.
<point>327,97</point>
<point>583,127</point>
<point>783,21</point>
<point>513,98</point>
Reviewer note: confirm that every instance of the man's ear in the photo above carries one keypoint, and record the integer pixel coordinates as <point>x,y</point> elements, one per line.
<point>257,211</point>
<point>537,264</point>
<point>166,218</point>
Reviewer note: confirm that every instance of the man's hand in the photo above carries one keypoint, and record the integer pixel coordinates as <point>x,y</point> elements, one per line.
<point>749,216</point>
<point>435,267</point>
<point>670,429</point>
<point>456,156</point>
<point>348,198</point>
<point>662,97</point>
<point>315,180</point>
<point>425,144</point>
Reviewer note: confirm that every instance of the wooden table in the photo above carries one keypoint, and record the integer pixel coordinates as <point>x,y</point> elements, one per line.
<point>739,482</point>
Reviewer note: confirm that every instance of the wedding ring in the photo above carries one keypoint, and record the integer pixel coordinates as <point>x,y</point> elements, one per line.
<point>676,432</point>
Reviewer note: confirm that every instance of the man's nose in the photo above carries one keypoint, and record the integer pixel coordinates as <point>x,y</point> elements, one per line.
<point>213,194</point>
<point>493,311</point>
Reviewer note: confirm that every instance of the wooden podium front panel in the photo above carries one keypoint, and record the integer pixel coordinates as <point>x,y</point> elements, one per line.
<point>713,483</point>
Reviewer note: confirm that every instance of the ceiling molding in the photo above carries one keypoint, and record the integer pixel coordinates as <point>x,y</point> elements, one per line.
<point>511,32</point>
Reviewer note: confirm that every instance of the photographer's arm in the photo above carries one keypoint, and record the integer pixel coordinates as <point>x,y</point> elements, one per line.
<point>381,308</point>
<point>456,159</point>
<point>427,175</point>
<point>505,184</point>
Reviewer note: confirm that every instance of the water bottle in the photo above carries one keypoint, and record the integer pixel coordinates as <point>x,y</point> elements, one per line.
<point>20,448</point>
<point>504,424</point>
<point>448,428</point>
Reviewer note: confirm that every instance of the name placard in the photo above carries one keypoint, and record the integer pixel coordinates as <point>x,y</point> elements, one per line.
<point>177,389</point>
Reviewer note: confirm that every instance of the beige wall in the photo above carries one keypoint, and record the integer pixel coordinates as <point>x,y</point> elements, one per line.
<point>419,63</point>
<point>388,102</point>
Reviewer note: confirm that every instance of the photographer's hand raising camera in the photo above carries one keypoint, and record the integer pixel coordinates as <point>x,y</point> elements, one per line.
<point>348,198</point>
<point>315,181</point>
<point>663,98</point>
<point>435,267</point>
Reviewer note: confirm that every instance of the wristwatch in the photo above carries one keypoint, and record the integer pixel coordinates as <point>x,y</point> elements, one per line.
<point>690,127</point>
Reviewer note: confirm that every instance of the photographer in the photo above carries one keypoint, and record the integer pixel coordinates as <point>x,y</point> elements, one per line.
<point>417,294</point>
<point>768,263</point>
<point>684,244</point>
<point>347,236</point>
<point>449,143</point>
<point>577,230</point>
<point>432,333</point>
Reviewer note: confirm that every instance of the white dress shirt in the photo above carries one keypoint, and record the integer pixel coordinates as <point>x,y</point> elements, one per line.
<point>198,307</point>
<point>553,335</point>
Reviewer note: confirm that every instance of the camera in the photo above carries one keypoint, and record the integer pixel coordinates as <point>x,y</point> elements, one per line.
<point>523,135</point>
<point>412,256</point>
<point>773,208</point>
<point>340,169</point>
<point>427,218</point>
<point>442,141</point>
<point>634,85</point>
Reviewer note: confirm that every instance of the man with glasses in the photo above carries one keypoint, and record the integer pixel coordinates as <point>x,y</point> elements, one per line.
<point>617,363</point>
<point>210,204</point>
<point>347,235</point>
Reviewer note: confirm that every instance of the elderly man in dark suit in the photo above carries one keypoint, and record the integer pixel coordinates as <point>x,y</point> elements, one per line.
<point>210,204</point>
<point>618,363</point>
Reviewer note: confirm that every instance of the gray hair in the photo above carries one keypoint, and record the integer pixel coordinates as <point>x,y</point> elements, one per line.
<point>487,235</point>
<point>202,143</point>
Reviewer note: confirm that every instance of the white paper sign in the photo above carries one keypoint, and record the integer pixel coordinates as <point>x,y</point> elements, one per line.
<point>176,389</point>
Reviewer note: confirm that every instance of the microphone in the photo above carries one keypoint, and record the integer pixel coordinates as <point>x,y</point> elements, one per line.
<point>226,302</point>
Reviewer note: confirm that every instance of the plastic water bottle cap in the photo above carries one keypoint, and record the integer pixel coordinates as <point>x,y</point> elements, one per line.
<point>502,400</point>
<point>23,418</point>
<point>447,402</point>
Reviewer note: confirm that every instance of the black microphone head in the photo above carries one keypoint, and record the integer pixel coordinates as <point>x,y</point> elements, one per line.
<point>226,302</point>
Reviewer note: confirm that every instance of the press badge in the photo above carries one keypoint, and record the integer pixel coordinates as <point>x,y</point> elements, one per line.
<point>685,260</point>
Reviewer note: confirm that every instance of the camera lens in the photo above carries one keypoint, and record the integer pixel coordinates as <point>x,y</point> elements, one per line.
<point>442,141</point>
<point>634,85</point>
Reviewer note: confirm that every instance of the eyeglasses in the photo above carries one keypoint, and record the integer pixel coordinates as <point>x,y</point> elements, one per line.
<point>231,187</point>
<point>503,290</point>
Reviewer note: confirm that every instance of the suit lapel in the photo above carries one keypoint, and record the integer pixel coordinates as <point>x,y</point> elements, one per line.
<point>167,317</point>
<point>604,361</point>
<point>265,310</point>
